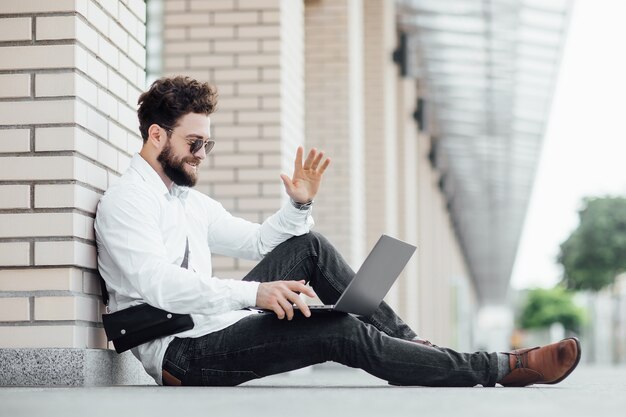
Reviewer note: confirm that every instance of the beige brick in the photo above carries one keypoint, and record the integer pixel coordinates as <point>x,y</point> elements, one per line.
<point>43,336</point>
<point>176,6</point>
<point>86,35</point>
<point>14,309</point>
<point>31,112</point>
<point>108,52</point>
<point>56,27</point>
<point>187,47</point>
<point>203,5</point>
<point>66,308</point>
<point>266,203</point>
<point>96,122</point>
<point>234,190</point>
<point>230,18</point>
<point>258,88</point>
<point>65,253</point>
<point>258,4</point>
<point>14,85</point>
<point>66,195</point>
<point>236,132</point>
<point>137,52</point>
<point>257,174</point>
<point>222,262</point>
<point>15,29</point>
<point>223,161</point>
<point>118,35</point>
<point>186,19</point>
<point>58,84</point>
<point>270,45</point>
<point>127,20</point>
<point>37,56</point>
<point>97,69</point>
<point>14,253</point>
<point>270,16</point>
<point>236,74</point>
<point>65,138</point>
<point>117,85</point>
<point>220,175</point>
<point>14,140</point>
<point>259,32</point>
<point>52,167</point>
<point>246,116</point>
<point>138,7</point>
<point>61,279</point>
<point>239,103</point>
<point>110,6</point>
<point>211,32</point>
<point>210,61</point>
<point>259,145</point>
<point>36,168</point>
<point>14,196</point>
<point>91,283</point>
<point>235,46</point>
<point>36,6</point>
<point>259,60</point>
<point>98,18</point>
<point>174,34</point>
<point>36,224</point>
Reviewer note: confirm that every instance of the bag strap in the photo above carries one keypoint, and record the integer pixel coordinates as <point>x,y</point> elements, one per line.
<point>103,285</point>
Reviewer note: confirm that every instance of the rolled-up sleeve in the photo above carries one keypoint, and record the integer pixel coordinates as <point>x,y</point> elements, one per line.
<point>237,237</point>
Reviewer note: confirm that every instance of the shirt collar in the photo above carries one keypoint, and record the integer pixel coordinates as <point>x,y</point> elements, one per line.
<point>151,177</point>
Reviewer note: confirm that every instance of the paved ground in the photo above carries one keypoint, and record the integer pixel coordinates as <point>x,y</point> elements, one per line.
<point>329,391</point>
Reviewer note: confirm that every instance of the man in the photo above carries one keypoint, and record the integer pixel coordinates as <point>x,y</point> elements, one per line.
<point>155,238</point>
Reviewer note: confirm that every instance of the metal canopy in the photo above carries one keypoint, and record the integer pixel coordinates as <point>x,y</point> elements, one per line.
<point>487,70</point>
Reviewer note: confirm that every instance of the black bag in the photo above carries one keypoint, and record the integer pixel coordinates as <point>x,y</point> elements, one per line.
<point>142,323</point>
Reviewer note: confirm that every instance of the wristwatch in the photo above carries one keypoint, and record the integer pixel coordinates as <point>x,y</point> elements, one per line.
<point>302,206</point>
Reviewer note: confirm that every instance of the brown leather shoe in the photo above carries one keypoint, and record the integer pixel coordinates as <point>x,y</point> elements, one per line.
<point>548,364</point>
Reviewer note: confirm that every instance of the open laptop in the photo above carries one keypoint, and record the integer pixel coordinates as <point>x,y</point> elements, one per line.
<point>373,280</point>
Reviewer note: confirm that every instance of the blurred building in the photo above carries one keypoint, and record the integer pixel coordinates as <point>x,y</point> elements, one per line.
<point>432,111</point>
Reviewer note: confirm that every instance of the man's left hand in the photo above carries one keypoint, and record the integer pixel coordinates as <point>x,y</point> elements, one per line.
<point>307,178</point>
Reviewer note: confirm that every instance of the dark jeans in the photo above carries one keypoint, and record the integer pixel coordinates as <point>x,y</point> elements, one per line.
<point>262,345</point>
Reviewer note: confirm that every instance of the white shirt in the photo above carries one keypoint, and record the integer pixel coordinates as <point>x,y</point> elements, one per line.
<point>141,228</point>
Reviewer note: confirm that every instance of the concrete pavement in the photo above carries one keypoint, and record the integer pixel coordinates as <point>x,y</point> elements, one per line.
<point>329,390</point>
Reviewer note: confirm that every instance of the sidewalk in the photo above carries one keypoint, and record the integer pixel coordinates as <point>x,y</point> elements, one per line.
<point>328,391</point>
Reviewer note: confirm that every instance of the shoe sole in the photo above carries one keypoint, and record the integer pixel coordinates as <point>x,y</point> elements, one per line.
<point>570,370</point>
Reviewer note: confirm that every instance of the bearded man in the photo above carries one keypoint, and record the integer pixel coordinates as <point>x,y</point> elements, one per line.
<point>155,237</point>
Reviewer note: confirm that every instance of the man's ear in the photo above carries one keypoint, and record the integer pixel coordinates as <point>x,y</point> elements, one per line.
<point>157,137</point>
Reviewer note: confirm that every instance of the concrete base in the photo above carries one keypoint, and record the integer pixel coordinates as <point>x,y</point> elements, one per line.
<point>70,367</point>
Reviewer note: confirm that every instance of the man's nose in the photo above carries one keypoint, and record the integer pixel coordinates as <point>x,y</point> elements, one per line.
<point>200,153</point>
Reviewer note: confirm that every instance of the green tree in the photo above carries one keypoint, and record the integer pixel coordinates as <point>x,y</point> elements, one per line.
<point>595,253</point>
<point>544,307</point>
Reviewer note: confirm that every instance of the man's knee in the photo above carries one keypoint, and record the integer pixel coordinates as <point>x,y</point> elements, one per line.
<point>315,239</point>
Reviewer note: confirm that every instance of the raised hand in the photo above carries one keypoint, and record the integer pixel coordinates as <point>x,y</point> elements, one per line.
<point>307,177</point>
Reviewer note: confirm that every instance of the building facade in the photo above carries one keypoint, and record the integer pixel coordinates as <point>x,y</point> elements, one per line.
<point>318,73</point>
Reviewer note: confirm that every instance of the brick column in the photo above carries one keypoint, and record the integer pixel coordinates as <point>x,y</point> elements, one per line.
<point>252,51</point>
<point>70,75</point>
<point>382,175</point>
<point>334,118</point>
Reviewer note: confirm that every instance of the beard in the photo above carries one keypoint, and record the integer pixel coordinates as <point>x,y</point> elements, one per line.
<point>175,168</point>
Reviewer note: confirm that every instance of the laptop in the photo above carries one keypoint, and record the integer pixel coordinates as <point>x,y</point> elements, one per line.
<point>374,279</point>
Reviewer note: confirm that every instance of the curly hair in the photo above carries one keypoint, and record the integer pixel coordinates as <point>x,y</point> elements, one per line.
<point>170,98</point>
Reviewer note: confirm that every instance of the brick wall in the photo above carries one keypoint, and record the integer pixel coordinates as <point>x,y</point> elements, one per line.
<point>334,118</point>
<point>252,51</point>
<point>70,75</point>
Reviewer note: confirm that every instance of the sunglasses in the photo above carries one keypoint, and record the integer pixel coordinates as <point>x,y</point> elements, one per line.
<point>196,144</point>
